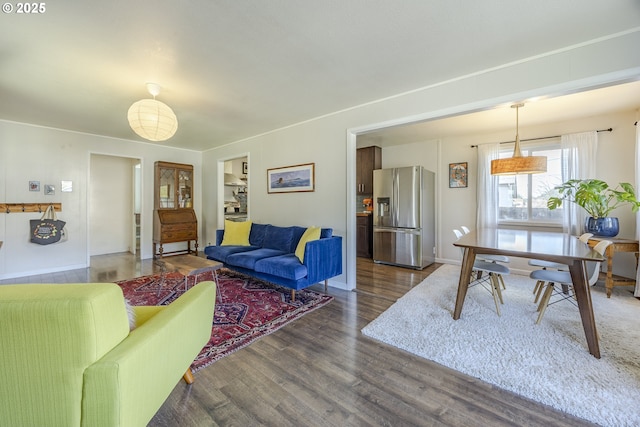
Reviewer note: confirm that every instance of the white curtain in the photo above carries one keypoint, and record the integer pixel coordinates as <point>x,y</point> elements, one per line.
<point>487,195</point>
<point>579,153</point>
<point>637,186</point>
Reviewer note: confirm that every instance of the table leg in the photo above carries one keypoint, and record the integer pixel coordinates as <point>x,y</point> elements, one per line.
<point>468,258</point>
<point>583,295</point>
<point>608,283</point>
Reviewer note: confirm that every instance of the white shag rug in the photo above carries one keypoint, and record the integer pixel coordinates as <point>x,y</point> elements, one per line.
<point>549,362</point>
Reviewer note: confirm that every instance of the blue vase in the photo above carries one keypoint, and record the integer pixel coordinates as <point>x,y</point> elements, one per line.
<point>602,227</point>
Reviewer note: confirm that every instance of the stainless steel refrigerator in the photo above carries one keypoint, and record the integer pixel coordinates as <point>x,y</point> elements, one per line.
<point>404,216</point>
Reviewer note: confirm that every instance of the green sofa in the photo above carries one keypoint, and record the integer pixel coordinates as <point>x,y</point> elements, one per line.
<point>67,357</point>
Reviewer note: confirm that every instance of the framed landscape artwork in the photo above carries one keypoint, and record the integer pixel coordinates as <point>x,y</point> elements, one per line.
<point>291,179</point>
<point>458,173</point>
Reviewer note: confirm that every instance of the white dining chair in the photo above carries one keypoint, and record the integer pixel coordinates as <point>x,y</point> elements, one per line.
<point>494,272</point>
<point>545,265</point>
<point>563,278</point>
<point>489,257</point>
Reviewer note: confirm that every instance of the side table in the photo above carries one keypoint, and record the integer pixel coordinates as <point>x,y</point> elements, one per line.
<point>619,245</point>
<point>191,265</point>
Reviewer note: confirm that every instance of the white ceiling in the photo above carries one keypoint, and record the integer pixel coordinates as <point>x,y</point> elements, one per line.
<point>235,69</point>
<point>621,97</point>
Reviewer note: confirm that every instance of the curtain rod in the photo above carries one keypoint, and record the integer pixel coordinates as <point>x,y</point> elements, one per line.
<point>543,137</point>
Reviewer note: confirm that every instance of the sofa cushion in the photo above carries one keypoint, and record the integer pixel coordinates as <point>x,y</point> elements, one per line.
<point>236,233</point>
<point>279,238</point>
<point>310,234</point>
<point>256,236</point>
<point>220,253</point>
<point>248,259</point>
<point>287,266</point>
<point>325,233</point>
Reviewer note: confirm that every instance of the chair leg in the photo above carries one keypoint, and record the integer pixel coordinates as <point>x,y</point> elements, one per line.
<point>326,284</point>
<point>545,301</point>
<point>496,283</point>
<point>536,287</point>
<point>539,288</point>
<point>495,290</point>
<point>472,277</point>
<point>293,295</point>
<point>502,281</point>
<point>188,376</point>
<point>544,296</point>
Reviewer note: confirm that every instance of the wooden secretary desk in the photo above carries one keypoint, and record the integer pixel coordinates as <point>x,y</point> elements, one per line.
<point>174,219</point>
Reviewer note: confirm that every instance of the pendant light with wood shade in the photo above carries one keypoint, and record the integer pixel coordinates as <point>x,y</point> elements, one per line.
<point>518,164</point>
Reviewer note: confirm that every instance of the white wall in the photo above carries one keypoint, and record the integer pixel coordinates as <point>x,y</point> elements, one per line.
<point>33,153</point>
<point>329,141</point>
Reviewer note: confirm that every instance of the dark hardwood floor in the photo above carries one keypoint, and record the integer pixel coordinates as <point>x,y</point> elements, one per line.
<point>321,371</point>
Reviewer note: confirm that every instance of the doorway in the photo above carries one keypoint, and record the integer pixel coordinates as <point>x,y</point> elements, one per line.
<point>114,205</point>
<point>236,189</point>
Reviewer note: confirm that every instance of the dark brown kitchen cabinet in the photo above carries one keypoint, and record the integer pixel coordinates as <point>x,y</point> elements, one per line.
<point>174,219</point>
<point>364,239</point>
<point>367,159</point>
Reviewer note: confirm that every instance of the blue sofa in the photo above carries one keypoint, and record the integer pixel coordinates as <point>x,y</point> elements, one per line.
<point>271,256</point>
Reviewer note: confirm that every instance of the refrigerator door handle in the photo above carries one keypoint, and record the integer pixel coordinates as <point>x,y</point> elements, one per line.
<point>397,230</point>
<point>396,197</point>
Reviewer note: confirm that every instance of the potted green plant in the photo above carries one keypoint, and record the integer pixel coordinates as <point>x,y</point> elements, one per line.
<point>598,199</point>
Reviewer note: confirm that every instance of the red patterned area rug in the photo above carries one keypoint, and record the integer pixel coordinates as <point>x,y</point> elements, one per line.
<point>246,308</point>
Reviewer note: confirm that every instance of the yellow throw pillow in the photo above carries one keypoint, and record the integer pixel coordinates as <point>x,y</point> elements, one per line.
<point>236,233</point>
<point>311,233</point>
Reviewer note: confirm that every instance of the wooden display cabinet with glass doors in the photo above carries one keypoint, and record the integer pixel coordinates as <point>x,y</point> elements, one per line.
<point>174,219</point>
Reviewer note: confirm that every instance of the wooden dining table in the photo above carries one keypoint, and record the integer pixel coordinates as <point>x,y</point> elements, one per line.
<point>549,246</point>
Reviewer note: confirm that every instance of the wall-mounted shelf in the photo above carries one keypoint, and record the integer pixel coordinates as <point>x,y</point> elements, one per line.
<point>28,207</point>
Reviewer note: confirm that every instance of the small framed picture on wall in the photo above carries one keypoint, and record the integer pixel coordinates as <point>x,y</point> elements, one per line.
<point>289,179</point>
<point>458,175</point>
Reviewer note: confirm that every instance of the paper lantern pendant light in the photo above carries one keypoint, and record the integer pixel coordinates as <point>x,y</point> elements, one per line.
<point>152,119</point>
<point>518,164</point>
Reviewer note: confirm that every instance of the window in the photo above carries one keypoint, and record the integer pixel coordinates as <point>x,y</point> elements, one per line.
<point>523,198</point>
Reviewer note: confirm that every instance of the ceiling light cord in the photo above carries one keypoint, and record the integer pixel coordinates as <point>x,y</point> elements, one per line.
<point>516,149</point>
